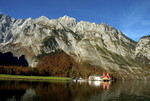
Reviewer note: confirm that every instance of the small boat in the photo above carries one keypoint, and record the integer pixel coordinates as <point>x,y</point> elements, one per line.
<point>78,79</point>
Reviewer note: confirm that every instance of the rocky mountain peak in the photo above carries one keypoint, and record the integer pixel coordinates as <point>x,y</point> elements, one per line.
<point>77,34</point>
<point>145,37</point>
<point>6,18</point>
<point>67,18</point>
<point>67,21</point>
<point>43,18</point>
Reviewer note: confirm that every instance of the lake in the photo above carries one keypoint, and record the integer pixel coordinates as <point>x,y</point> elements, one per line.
<point>74,91</point>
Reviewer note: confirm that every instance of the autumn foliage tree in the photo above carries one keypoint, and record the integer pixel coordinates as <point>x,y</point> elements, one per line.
<point>59,64</point>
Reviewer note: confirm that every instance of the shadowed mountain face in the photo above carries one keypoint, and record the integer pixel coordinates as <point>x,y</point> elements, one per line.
<point>94,45</point>
<point>9,59</point>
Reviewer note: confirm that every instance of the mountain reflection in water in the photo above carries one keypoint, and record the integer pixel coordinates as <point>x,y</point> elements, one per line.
<point>71,91</point>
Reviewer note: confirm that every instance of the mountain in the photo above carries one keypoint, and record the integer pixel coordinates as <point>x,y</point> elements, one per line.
<point>77,48</point>
<point>142,52</point>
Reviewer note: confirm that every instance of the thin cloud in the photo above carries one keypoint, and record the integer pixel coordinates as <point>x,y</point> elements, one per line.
<point>145,22</point>
<point>1,12</point>
<point>136,34</point>
<point>136,20</point>
<point>137,13</point>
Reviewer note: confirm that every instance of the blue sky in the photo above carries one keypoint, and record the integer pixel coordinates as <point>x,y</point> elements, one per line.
<point>132,17</point>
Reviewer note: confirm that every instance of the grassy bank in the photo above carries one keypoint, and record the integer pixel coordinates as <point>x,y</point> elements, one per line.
<point>21,77</point>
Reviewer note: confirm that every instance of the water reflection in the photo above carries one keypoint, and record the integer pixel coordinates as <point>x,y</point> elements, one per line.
<point>106,85</point>
<point>95,83</point>
<point>70,91</point>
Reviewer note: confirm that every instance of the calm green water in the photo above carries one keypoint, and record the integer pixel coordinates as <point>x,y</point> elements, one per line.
<point>71,91</point>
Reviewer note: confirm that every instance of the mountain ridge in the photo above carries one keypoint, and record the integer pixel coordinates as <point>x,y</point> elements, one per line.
<point>95,44</point>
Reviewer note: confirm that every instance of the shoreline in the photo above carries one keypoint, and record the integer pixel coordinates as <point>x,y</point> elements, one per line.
<point>32,78</point>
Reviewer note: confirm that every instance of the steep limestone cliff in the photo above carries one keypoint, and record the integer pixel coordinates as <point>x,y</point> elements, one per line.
<point>96,44</point>
<point>143,51</point>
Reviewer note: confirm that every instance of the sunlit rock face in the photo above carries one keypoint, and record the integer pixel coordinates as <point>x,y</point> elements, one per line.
<point>143,50</point>
<point>98,44</point>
